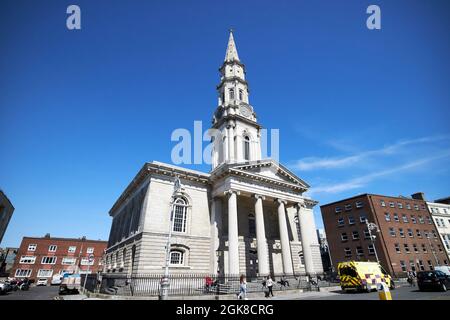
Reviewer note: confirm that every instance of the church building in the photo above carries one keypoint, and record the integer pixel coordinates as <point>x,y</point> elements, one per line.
<point>246,216</point>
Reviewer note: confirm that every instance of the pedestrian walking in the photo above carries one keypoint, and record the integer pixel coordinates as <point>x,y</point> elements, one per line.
<point>269,283</point>
<point>242,288</point>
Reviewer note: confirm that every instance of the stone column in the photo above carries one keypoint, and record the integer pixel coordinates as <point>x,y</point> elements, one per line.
<point>233,239</point>
<point>216,230</point>
<point>263,253</point>
<point>308,233</point>
<point>284,237</point>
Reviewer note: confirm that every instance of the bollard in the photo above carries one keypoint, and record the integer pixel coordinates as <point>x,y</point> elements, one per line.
<point>383,292</point>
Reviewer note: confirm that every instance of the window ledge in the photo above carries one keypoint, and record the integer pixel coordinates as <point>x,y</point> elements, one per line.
<point>178,267</point>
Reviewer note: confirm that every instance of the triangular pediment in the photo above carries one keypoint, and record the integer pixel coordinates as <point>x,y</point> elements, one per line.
<point>271,170</point>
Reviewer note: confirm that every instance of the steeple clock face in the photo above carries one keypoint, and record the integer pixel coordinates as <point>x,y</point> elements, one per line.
<point>245,110</point>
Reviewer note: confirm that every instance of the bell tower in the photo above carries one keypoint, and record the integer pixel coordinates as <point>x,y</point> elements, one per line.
<point>238,140</point>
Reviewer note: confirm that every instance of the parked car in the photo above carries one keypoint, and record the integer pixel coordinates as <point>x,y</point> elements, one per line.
<point>433,279</point>
<point>4,288</point>
<point>56,280</point>
<point>444,269</point>
<point>42,282</point>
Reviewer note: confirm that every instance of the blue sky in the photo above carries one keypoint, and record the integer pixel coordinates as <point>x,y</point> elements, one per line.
<point>81,111</point>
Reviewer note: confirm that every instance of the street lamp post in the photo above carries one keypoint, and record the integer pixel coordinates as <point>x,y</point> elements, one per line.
<point>165,280</point>
<point>373,227</point>
<point>432,250</point>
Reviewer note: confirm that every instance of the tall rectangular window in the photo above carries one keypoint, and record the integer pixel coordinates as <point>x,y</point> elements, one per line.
<point>231,94</point>
<point>241,94</point>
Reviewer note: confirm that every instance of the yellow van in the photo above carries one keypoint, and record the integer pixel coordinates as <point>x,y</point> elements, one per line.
<point>363,276</point>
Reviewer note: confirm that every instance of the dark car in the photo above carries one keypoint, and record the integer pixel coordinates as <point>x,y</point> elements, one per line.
<point>433,280</point>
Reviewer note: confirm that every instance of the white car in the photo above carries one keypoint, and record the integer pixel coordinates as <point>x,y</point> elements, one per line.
<point>42,282</point>
<point>444,269</point>
<point>56,280</point>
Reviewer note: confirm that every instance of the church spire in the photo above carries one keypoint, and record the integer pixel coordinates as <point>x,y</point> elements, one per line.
<point>231,54</point>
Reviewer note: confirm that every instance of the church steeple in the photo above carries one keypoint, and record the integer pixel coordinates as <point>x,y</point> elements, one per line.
<point>231,53</point>
<point>234,116</point>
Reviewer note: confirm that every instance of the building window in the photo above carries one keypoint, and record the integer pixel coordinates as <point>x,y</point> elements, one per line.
<point>179,219</point>
<point>344,236</point>
<point>391,204</point>
<point>48,260</point>
<point>418,233</point>
<point>338,209</point>
<point>421,220</point>
<point>241,94</point>
<point>410,233</point>
<point>405,218</point>
<point>231,94</point>
<point>400,205</point>
<point>439,248</point>
<point>408,206</point>
<point>90,250</point>
<point>359,204</point>
<point>362,218</point>
<point>371,249</point>
<point>32,247</point>
<point>366,234</point>
<point>392,232</point>
<point>423,207</point>
<point>246,148</point>
<point>383,204</point>
<point>424,248</point>
<point>341,222</point>
<point>406,247</point>
<point>396,217</point>
<point>401,233</point>
<point>434,233</point>
<point>425,232</point>
<point>27,259</point>
<point>351,220</point>
<point>403,265</point>
<point>251,225</point>
<point>430,222</point>
<point>359,251</point>
<point>72,249</point>
<point>415,248</point>
<point>348,252</point>
<point>397,248</point>
<point>85,262</point>
<point>412,265</point>
<point>355,235</point>
<point>45,273</point>
<point>387,216</point>
<point>348,207</point>
<point>413,219</point>
<point>23,273</point>
<point>416,207</point>
<point>430,264</point>
<point>176,257</point>
<point>68,261</point>
<point>52,248</point>
<point>421,266</point>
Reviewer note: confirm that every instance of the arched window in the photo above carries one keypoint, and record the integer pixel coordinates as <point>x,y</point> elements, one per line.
<point>231,94</point>
<point>246,148</point>
<point>251,225</point>
<point>176,257</point>
<point>180,215</point>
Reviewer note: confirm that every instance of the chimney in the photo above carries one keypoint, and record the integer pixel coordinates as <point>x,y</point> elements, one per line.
<point>47,235</point>
<point>418,196</point>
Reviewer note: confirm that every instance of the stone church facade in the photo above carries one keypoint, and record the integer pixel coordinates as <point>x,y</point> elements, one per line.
<point>247,216</point>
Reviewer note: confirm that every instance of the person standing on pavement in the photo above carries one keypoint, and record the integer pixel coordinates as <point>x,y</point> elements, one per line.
<point>242,288</point>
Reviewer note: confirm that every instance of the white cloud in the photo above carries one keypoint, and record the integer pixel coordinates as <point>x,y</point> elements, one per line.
<point>362,181</point>
<point>314,163</point>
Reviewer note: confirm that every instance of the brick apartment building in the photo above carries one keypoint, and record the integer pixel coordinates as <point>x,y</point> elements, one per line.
<point>407,238</point>
<point>44,257</point>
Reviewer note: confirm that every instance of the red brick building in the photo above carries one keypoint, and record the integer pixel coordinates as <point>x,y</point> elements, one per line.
<point>407,238</point>
<point>45,257</point>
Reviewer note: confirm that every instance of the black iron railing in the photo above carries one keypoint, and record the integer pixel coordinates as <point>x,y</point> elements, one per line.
<point>197,284</point>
